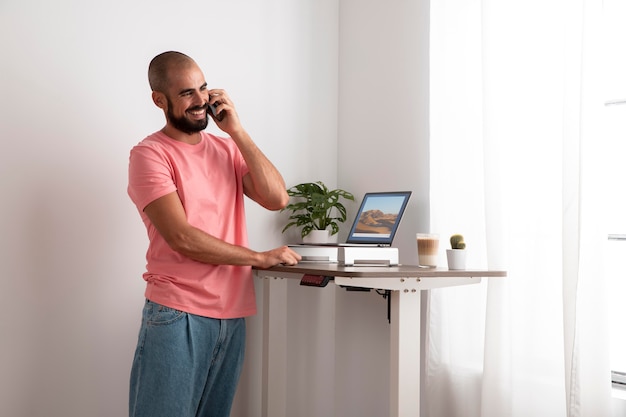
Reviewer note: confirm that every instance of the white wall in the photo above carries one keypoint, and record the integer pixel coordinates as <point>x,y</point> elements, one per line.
<point>383,145</point>
<point>74,101</point>
<point>383,106</point>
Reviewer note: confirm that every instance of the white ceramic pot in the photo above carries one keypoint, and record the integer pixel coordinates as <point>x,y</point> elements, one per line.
<point>317,236</point>
<point>456,258</point>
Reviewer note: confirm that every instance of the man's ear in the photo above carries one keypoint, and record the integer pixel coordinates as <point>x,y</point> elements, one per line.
<point>159,99</point>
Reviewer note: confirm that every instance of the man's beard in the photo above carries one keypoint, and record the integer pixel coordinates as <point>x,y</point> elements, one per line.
<point>185,125</point>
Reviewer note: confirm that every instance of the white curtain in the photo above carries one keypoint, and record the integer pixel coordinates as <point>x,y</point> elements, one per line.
<point>516,156</point>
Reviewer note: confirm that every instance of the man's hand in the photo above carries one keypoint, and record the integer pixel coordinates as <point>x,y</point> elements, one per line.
<point>227,120</point>
<point>283,255</point>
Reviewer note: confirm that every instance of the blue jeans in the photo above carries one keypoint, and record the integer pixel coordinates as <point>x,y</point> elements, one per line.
<point>185,365</point>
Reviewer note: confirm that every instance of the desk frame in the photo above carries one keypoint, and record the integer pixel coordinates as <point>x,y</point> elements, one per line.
<point>405,283</point>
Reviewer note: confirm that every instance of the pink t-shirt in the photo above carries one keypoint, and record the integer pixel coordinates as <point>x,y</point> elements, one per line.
<point>208,179</point>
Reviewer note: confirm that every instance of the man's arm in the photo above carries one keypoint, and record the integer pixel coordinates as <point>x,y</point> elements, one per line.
<point>263,183</point>
<point>168,216</point>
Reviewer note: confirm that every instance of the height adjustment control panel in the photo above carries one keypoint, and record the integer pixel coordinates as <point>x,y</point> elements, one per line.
<point>315,280</point>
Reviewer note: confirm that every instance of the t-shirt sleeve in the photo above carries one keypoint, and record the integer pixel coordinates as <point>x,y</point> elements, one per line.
<point>242,165</point>
<point>149,176</point>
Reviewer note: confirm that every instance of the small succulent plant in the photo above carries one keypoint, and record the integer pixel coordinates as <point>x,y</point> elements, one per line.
<point>457,242</point>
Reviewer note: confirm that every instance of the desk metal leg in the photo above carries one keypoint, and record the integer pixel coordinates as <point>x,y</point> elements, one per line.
<point>405,353</point>
<point>274,390</point>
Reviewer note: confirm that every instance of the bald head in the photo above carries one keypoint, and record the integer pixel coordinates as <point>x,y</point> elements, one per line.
<point>160,66</point>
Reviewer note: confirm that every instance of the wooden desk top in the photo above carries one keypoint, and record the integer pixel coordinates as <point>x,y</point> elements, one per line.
<point>400,271</point>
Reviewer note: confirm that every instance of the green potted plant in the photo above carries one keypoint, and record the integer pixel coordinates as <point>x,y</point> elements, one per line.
<point>316,208</point>
<point>456,255</point>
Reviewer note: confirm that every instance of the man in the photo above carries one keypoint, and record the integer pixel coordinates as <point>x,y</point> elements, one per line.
<point>188,186</point>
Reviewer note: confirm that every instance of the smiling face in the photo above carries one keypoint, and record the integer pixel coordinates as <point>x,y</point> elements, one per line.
<point>186,99</point>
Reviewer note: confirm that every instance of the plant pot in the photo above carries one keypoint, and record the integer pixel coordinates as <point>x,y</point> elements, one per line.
<point>317,236</point>
<point>456,258</point>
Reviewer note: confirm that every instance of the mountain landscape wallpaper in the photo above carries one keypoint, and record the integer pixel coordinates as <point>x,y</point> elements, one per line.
<point>375,221</point>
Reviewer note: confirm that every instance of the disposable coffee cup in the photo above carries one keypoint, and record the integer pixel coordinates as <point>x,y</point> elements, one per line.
<point>427,250</point>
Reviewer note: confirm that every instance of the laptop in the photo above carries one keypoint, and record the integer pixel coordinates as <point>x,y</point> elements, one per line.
<point>377,220</point>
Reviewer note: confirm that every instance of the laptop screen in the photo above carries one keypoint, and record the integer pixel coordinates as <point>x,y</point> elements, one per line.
<point>378,218</point>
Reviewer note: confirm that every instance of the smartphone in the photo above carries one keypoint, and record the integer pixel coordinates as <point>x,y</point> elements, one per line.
<point>213,109</point>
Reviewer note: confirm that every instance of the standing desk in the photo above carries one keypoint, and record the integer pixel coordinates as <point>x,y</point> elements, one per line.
<point>404,282</point>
